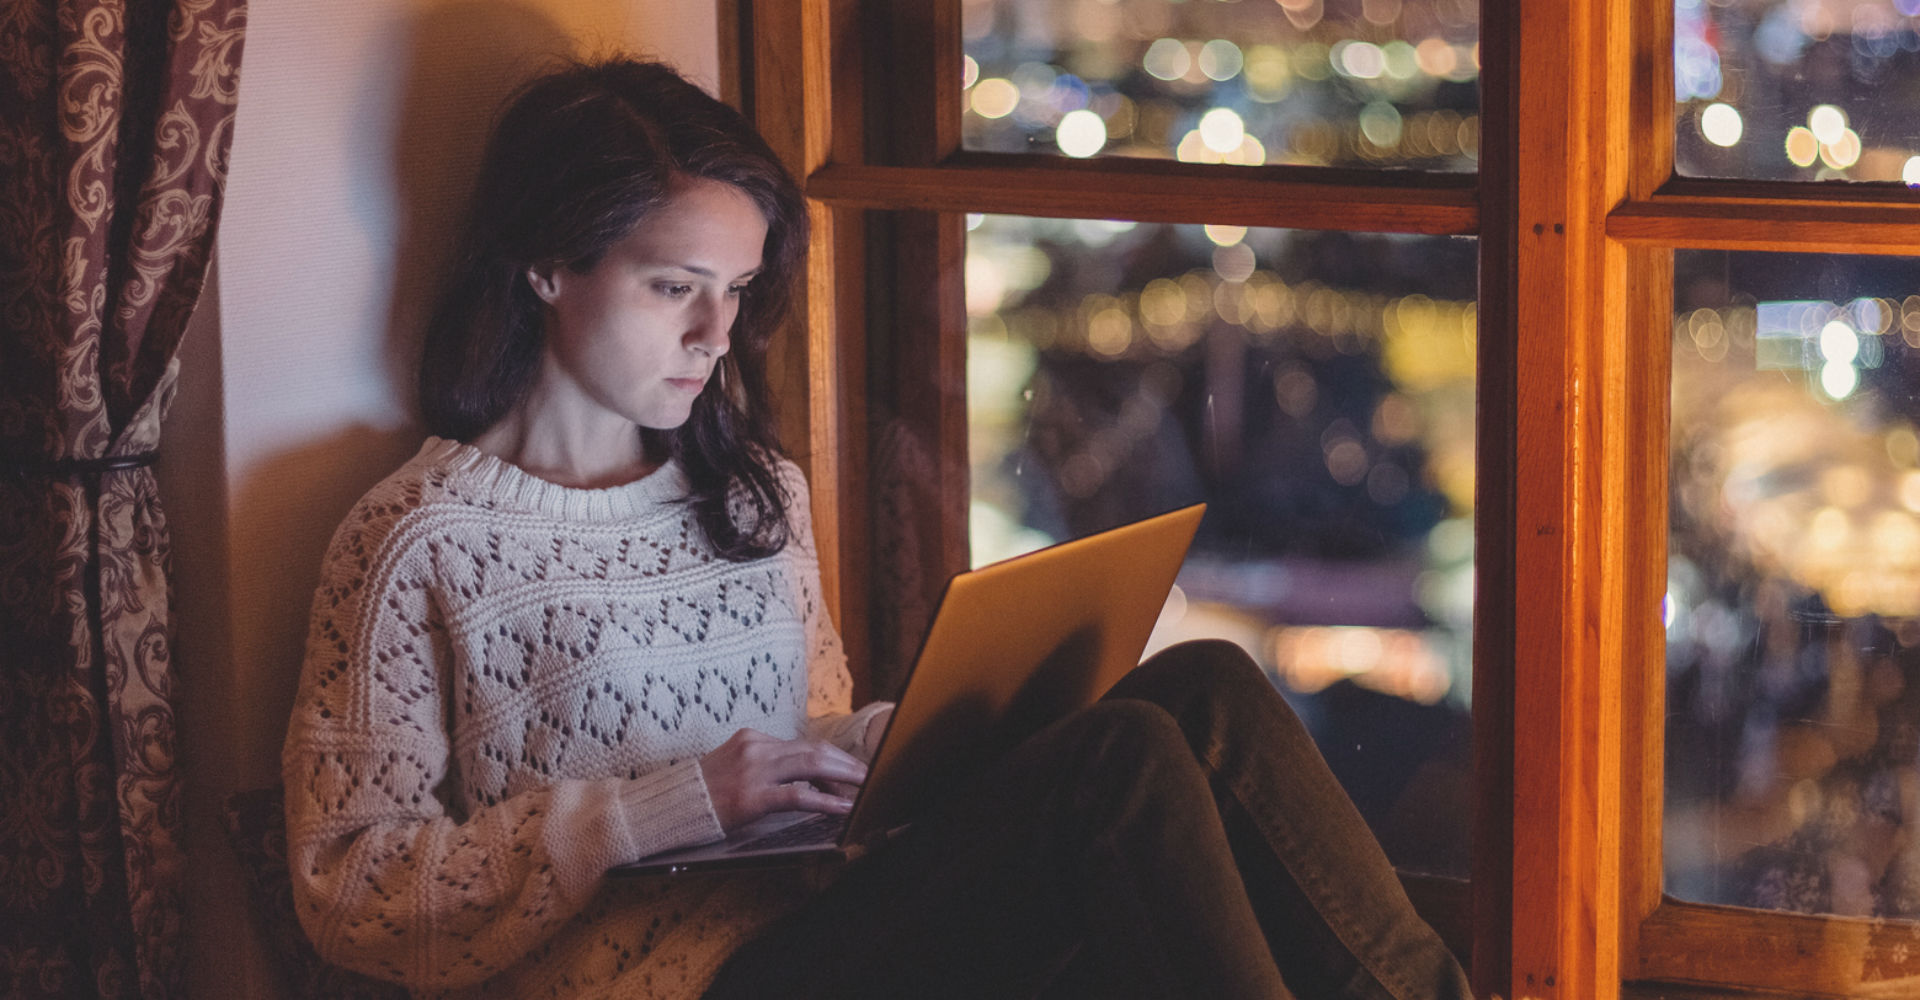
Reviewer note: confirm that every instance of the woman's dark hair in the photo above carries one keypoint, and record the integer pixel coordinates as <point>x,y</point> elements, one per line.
<point>577,159</point>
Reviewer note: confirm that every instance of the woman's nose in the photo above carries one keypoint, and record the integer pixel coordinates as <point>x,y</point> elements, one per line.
<point>710,327</point>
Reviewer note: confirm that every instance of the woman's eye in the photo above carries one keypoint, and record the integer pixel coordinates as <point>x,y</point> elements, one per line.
<point>736,290</point>
<point>676,291</point>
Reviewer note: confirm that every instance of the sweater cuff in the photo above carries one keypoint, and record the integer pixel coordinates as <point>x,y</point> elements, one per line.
<point>667,809</point>
<point>848,731</point>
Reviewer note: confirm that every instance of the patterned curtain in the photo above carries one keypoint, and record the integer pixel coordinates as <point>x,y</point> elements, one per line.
<point>115,120</point>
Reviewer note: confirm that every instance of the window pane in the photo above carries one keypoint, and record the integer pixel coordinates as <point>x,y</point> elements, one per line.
<point>1382,83</point>
<point>1316,389</point>
<point>1793,90</point>
<point>1793,605</point>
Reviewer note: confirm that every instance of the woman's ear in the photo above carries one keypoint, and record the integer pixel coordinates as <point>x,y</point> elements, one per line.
<point>545,281</point>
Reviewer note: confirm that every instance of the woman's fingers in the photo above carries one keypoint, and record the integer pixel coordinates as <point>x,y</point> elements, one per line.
<point>818,760</point>
<point>841,789</point>
<point>753,774</point>
<point>781,761</point>
<point>802,797</point>
<point>815,776</point>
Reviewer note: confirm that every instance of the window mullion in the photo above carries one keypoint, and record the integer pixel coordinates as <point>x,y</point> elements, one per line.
<point>1760,221</point>
<point>1571,73</point>
<point>1642,360</point>
<point>797,91</point>
<point>1439,205</point>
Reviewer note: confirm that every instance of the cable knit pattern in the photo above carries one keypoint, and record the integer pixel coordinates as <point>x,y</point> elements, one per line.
<point>508,686</point>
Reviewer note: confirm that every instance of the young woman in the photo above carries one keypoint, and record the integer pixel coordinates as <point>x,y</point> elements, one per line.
<point>583,625</point>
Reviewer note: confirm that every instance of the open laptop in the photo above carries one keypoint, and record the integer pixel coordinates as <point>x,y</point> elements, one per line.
<point>1013,647</point>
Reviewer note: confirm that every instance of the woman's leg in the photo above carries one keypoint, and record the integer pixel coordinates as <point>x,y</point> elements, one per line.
<point>1095,841</point>
<point>1330,905</point>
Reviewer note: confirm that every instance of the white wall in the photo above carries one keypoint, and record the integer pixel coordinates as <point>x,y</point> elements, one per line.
<point>359,126</point>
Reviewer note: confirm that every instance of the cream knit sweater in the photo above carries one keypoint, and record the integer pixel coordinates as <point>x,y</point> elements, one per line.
<point>508,686</point>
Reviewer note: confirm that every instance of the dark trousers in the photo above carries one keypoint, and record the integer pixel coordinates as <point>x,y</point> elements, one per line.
<point>1181,838</point>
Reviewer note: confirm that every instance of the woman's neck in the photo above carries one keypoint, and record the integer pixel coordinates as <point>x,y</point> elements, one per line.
<point>572,453</point>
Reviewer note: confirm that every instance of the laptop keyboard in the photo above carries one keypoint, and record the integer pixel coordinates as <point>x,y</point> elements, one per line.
<point>824,828</point>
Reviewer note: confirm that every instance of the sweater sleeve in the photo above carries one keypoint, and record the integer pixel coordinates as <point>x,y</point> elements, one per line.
<point>829,683</point>
<point>387,880</point>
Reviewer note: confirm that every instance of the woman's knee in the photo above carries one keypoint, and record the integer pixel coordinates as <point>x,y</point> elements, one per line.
<point>1115,745</point>
<point>1124,728</point>
<point>1127,753</point>
<point>1210,668</point>
<point>1216,692</point>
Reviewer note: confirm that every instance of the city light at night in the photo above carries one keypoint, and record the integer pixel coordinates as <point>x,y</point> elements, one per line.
<point>1297,81</point>
<point>1812,90</point>
<point>1327,416</point>
<point>1319,388</point>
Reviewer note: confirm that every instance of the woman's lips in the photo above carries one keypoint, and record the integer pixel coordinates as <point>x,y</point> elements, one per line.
<point>688,384</point>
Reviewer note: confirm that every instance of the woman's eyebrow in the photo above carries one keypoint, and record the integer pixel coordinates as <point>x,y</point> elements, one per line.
<point>708,272</point>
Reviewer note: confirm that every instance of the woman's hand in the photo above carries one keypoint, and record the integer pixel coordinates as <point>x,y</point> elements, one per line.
<point>753,774</point>
<point>876,727</point>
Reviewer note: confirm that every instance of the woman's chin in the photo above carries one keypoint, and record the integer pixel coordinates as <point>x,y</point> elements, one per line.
<point>665,421</point>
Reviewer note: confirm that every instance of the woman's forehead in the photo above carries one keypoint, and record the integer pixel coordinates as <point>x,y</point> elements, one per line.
<point>707,227</point>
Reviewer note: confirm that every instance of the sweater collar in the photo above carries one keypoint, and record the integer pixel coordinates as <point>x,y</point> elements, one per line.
<point>509,486</point>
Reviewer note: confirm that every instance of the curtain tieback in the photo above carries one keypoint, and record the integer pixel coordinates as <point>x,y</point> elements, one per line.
<point>77,466</point>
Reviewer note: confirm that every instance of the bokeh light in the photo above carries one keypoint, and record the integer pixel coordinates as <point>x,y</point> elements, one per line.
<point>1167,59</point>
<point>1827,123</point>
<point>1081,133</point>
<point>1222,130</point>
<point>1843,152</point>
<point>1802,147</point>
<point>1221,60</point>
<point>1225,236</point>
<point>1838,379</point>
<point>1721,124</point>
<point>995,98</point>
<point>1381,124</point>
<point>1838,343</point>
<point>1360,60</point>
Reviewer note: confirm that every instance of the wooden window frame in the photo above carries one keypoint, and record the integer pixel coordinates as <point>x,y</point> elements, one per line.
<point>1578,212</point>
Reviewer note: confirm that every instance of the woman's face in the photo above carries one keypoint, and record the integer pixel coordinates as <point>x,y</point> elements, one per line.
<point>639,334</point>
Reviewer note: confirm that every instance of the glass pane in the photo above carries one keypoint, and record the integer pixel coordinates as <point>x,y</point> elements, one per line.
<point>1798,90</point>
<point>1376,83</point>
<point>1317,390</point>
<point>1793,605</point>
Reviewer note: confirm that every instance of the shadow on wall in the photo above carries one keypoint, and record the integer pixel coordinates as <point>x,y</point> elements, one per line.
<point>462,60</point>
<point>465,59</point>
<point>292,502</point>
